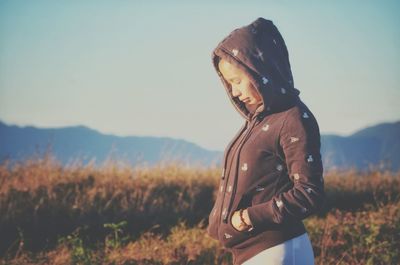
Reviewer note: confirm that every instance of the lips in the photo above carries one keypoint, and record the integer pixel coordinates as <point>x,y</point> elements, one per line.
<point>245,100</point>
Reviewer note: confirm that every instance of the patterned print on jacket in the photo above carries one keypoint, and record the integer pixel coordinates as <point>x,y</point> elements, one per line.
<point>273,165</point>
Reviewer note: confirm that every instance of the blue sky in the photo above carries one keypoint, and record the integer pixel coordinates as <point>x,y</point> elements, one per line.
<point>144,68</point>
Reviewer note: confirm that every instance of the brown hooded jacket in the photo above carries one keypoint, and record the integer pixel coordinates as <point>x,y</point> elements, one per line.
<point>273,165</point>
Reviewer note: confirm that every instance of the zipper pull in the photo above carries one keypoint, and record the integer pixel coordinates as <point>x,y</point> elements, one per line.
<point>223,173</point>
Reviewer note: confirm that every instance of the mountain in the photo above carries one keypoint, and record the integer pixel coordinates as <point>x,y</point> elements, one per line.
<point>376,146</point>
<point>69,143</point>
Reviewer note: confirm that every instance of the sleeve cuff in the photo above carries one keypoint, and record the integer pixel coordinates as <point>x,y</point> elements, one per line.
<point>261,215</point>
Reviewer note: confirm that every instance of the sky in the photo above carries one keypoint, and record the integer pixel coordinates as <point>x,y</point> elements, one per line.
<point>144,67</point>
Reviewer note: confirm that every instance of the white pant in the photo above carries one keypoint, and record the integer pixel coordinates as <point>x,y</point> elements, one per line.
<point>295,251</point>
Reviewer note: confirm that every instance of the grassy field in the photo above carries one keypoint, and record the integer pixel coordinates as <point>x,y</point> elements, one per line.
<point>116,214</point>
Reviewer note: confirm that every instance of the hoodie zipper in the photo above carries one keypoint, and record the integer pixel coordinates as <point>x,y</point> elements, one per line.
<point>252,124</point>
<point>237,136</point>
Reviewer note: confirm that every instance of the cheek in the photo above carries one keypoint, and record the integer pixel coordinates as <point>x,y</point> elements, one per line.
<point>253,92</point>
<point>247,89</point>
<point>257,95</point>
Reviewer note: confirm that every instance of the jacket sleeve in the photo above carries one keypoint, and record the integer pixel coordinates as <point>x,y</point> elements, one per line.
<point>299,139</point>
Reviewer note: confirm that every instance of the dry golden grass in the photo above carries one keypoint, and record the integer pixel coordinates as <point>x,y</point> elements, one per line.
<point>54,214</point>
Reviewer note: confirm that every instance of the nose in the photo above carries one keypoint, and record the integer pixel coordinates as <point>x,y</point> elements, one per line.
<point>235,92</point>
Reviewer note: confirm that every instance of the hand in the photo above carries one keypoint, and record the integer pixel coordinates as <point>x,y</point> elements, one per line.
<point>237,222</point>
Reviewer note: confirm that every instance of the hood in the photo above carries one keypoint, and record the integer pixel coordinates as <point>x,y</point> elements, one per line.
<point>260,51</point>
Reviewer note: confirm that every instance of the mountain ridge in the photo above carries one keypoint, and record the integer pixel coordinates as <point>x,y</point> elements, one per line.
<point>376,145</point>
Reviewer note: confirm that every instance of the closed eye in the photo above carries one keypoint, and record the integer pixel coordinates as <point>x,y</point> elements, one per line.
<point>235,80</point>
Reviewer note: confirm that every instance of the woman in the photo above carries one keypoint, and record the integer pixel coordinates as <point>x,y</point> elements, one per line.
<point>272,175</point>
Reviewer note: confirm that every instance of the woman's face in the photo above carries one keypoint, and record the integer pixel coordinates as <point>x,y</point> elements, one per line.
<point>240,83</point>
